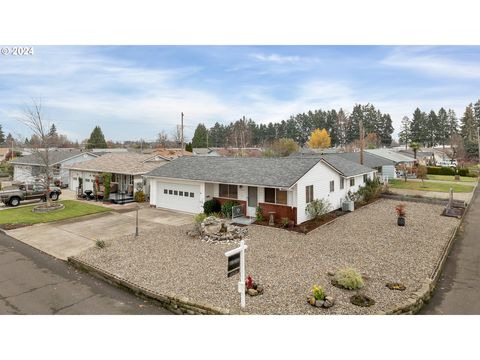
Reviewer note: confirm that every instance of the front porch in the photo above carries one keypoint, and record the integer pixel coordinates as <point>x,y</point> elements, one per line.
<point>276,201</point>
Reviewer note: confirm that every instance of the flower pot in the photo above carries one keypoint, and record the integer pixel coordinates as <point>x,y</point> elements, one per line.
<point>401,221</point>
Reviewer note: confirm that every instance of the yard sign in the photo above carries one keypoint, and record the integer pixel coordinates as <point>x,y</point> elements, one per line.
<point>236,263</point>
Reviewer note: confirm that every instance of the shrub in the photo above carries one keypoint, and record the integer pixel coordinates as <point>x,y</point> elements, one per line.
<point>317,208</point>
<point>318,292</point>
<point>440,170</point>
<point>200,217</point>
<point>371,190</point>
<point>211,206</point>
<point>227,208</point>
<point>285,222</point>
<point>258,214</point>
<point>107,178</point>
<point>400,210</point>
<point>100,244</point>
<point>348,278</point>
<point>139,196</point>
<point>218,214</point>
<point>462,172</point>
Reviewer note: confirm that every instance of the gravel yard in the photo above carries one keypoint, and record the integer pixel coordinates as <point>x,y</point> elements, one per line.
<point>287,263</point>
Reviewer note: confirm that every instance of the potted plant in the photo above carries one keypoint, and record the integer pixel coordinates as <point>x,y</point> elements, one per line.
<point>400,210</point>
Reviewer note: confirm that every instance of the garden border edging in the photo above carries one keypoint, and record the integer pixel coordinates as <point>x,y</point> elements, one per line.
<point>173,303</point>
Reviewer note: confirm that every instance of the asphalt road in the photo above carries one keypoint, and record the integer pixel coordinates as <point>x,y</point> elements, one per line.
<point>32,282</point>
<point>458,290</point>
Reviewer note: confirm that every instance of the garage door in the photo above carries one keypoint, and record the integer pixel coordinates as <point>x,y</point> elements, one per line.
<point>180,197</point>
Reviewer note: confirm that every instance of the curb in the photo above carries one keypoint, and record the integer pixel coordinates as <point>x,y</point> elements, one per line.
<point>420,297</point>
<point>177,305</point>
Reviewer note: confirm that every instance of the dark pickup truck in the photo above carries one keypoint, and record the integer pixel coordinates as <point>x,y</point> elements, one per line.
<point>27,192</point>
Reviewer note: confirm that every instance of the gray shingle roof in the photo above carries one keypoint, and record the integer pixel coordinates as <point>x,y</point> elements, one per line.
<point>369,160</point>
<point>275,172</point>
<point>55,156</point>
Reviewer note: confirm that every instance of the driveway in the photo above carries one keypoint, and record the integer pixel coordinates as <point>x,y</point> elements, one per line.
<point>34,283</point>
<point>70,237</point>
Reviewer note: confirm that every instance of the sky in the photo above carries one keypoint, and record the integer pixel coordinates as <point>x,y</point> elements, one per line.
<point>135,92</point>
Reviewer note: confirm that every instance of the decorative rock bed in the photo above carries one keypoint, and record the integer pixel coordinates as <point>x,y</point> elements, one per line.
<point>396,286</point>
<point>362,300</point>
<point>45,208</point>
<point>215,230</point>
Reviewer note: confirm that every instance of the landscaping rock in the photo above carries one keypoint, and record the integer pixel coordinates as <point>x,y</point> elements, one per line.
<point>329,302</point>
<point>259,289</point>
<point>311,300</point>
<point>213,229</point>
<point>319,303</point>
<point>252,292</point>
<point>330,273</point>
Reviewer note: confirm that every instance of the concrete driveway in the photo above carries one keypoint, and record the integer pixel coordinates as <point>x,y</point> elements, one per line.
<point>70,237</point>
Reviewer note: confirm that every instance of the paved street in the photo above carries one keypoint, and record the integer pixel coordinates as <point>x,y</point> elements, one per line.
<point>458,290</point>
<point>35,283</point>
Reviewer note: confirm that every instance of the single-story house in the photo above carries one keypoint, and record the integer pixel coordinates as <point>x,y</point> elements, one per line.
<point>29,168</point>
<point>384,166</point>
<point>126,169</point>
<point>392,155</point>
<point>280,185</point>
<point>3,153</point>
<point>205,152</point>
<point>423,157</point>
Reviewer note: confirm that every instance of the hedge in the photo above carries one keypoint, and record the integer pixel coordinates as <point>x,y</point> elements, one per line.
<point>437,170</point>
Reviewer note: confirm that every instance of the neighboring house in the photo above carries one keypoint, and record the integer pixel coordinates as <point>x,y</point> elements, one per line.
<point>171,154</point>
<point>30,168</point>
<point>280,185</point>
<point>126,169</point>
<point>391,155</point>
<point>205,152</point>
<point>423,157</point>
<point>3,153</point>
<point>385,167</point>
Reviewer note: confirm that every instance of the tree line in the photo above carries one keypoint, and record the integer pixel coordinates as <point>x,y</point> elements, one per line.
<point>342,127</point>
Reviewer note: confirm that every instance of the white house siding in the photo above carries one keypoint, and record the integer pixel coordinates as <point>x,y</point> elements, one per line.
<point>175,202</point>
<point>65,173</point>
<point>23,173</point>
<point>87,176</point>
<point>320,176</point>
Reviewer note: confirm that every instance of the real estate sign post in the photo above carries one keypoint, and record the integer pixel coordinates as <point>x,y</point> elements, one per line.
<point>236,263</point>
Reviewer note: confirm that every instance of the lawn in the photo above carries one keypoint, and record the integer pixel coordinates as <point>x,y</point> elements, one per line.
<point>25,215</point>
<point>429,186</point>
<point>451,178</point>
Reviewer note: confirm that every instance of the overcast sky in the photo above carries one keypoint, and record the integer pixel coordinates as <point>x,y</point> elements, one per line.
<point>134,92</point>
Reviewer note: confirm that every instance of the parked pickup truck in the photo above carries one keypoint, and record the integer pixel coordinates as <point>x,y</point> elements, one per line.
<point>26,192</point>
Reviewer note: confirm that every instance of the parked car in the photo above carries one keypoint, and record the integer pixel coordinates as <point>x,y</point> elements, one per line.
<point>447,163</point>
<point>26,192</point>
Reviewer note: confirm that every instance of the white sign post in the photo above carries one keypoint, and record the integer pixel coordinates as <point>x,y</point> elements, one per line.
<point>234,265</point>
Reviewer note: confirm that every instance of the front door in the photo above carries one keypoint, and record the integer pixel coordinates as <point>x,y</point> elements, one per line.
<point>252,200</point>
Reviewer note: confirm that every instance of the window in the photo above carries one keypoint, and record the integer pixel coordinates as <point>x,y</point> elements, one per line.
<point>352,181</point>
<point>165,191</point>
<point>365,178</point>
<point>180,193</point>
<point>332,186</point>
<point>175,192</point>
<point>308,193</point>
<point>228,191</point>
<point>192,194</point>
<point>275,196</point>
<point>185,193</point>
<point>342,183</point>
<point>170,192</point>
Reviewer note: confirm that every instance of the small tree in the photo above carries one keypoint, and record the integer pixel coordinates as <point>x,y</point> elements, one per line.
<point>34,119</point>
<point>415,147</point>
<point>284,147</point>
<point>97,139</point>
<point>422,173</point>
<point>319,139</point>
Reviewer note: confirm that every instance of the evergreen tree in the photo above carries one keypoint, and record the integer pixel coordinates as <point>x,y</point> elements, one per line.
<point>53,131</point>
<point>341,125</point>
<point>199,139</point>
<point>468,128</point>
<point>417,126</point>
<point>385,130</point>
<point>452,124</point>
<point>189,147</point>
<point>96,140</point>
<point>442,132</point>
<point>404,135</point>
<point>431,128</point>
<point>477,112</point>
<point>2,135</point>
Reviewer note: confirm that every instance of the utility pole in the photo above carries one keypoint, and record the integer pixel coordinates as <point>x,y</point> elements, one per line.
<point>207,138</point>
<point>362,136</point>
<point>181,131</point>
<point>478,139</point>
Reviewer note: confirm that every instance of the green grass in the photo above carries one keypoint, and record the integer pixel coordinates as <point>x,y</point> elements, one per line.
<point>429,186</point>
<point>451,178</point>
<point>25,215</point>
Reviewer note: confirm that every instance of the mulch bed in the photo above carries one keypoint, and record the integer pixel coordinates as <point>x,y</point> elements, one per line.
<point>13,226</point>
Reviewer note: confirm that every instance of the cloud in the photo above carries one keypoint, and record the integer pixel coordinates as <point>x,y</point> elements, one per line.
<point>276,58</point>
<point>434,63</point>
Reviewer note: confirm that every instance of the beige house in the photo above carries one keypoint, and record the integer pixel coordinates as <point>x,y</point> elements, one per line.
<point>126,169</point>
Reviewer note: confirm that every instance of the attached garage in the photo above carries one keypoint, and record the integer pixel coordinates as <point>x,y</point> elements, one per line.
<point>186,197</point>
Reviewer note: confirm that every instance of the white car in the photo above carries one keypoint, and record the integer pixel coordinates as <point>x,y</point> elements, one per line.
<point>447,163</point>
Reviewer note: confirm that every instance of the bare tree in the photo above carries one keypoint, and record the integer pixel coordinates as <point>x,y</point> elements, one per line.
<point>177,135</point>
<point>162,139</point>
<point>33,118</point>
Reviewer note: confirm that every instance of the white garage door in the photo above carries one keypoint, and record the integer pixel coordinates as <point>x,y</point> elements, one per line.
<point>180,197</point>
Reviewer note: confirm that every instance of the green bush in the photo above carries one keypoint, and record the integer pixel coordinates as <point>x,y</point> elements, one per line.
<point>100,244</point>
<point>318,292</point>
<point>139,196</point>
<point>462,172</point>
<point>317,208</point>
<point>371,190</point>
<point>348,278</point>
<point>211,206</point>
<point>107,178</point>
<point>200,217</point>
<point>227,208</point>
<point>258,214</point>
<point>440,170</point>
